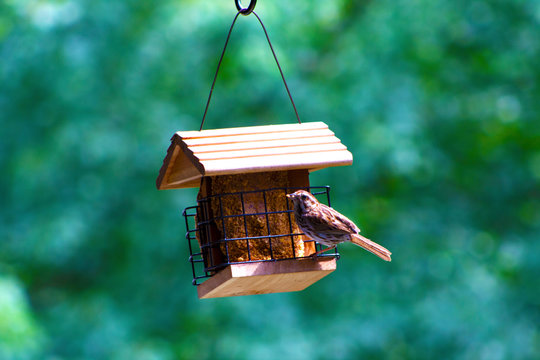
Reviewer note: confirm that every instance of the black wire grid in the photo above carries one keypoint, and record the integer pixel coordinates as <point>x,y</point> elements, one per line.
<point>213,253</point>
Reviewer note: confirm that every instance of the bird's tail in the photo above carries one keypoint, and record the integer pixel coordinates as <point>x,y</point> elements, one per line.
<point>371,246</point>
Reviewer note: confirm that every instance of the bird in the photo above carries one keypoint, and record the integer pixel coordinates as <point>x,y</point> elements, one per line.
<point>328,227</point>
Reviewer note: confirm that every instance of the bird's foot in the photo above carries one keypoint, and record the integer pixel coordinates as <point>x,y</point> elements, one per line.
<point>314,256</point>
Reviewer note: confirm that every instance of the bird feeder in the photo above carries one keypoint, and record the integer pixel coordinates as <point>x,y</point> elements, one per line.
<point>242,234</point>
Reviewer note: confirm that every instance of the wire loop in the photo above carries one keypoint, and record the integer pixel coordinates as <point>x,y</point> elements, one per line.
<point>248,10</point>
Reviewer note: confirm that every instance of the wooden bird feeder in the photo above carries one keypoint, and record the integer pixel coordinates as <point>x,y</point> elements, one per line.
<point>243,225</point>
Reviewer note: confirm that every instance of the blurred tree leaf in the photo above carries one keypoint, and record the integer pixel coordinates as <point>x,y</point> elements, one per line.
<point>438,101</point>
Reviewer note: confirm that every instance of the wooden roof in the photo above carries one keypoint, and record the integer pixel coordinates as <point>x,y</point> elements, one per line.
<point>194,154</point>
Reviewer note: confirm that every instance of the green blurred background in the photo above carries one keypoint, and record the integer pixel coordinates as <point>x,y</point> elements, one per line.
<point>439,102</point>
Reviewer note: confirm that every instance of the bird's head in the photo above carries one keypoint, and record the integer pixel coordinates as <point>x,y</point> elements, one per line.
<point>303,200</point>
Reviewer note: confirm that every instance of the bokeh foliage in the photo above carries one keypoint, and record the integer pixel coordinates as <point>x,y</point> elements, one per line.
<point>439,102</point>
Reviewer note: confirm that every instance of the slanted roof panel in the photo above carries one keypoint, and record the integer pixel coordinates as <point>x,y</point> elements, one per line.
<point>311,161</point>
<point>251,130</point>
<point>194,154</point>
<point>267,151</point>
<point>269,136</point>
<point>249,145</point>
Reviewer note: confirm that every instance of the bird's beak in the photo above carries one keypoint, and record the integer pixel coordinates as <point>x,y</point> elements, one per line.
<point>290,196</point>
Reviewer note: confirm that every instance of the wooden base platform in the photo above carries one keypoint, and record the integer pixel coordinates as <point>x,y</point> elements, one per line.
<point>265,277</point>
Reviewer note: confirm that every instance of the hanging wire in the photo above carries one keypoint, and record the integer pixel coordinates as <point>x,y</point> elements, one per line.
<point>245,12</point>
<point>279,67</point>
<point>217,70</point>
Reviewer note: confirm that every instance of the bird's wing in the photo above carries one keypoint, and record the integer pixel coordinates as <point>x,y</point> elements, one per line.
<point>332,221</point>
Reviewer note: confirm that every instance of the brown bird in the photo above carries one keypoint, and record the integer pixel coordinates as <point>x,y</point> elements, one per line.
<point>328,227</point>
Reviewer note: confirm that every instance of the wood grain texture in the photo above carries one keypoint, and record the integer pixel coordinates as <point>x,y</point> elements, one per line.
<point>194,154</point>
<point>179,169</point>
<point>251,130</point>
<point>299,149</point>
<point>278,143</point>
<point>265,277</point>
<point>232,139</point>
<point>277,162</point>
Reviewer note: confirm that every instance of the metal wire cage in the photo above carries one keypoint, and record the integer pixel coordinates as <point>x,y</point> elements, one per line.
<point>228,228</point>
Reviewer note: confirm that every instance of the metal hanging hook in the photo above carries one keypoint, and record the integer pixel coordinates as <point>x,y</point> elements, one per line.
<point>248,10</point>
